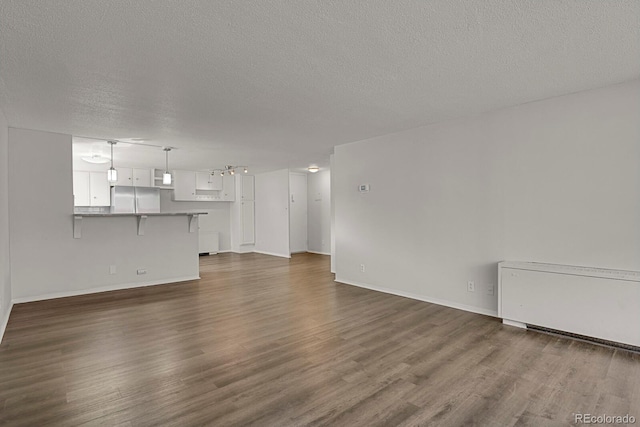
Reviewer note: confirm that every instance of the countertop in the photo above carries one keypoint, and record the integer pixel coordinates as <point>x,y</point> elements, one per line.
<point>103,214</point>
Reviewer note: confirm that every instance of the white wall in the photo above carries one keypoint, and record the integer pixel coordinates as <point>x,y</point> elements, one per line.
<point>272,213</point>
<point>47,261</point>
<point>553,181</point>
<point>5,267</point>
<point>319,211</point>
<point>298,228</point>
<point>333,216</point>
<point>217,218</point>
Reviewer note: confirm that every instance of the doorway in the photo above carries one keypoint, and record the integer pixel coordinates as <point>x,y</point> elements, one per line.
<point>297,212</point>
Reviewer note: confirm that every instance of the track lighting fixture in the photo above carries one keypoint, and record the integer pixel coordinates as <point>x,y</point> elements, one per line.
<point>230,170</point>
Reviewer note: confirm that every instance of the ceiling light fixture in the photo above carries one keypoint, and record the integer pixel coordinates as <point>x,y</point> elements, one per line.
<point>96,159</point>
<point>230,170</point>
<point>313,169</point>
<point>112,173</point>
<point>166,176</point>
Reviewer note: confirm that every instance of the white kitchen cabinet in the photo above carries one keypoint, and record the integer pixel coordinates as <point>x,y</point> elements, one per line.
<point>184,184</point>
<point>228,188</point>
<point>247,187</point>
<point>81,195</point>
<point>125,177</point>
<point>248,222</point>
<point>142,177</point>
<point>243,214</point>
<point>133,177</point>
<point>99,189</point>
<point>91,189</point>
<point>200,186</point>
<point>208,181</point>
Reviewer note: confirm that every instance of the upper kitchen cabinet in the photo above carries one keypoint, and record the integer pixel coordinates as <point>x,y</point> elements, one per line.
<point>208,181</point>
<point>184,185</point>
<point>248,183</point>
<point>134,177</point>
<point>81,195</point>
<point>203,187</point>
<point>91,189</point>
<point>228,188</point>
<point>99,189</point>
<point>142,177</point>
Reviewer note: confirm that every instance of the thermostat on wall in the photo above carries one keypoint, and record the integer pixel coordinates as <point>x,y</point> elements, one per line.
<point>363,188</point>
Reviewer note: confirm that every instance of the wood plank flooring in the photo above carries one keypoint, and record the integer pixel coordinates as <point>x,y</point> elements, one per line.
<point>268,341</point>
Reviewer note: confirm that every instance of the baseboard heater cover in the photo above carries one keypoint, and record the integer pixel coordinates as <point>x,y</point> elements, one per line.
<point>599,341</point>
<point>602,305</point>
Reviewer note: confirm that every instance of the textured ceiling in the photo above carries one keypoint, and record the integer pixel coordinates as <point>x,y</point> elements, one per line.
<point>278,83</point>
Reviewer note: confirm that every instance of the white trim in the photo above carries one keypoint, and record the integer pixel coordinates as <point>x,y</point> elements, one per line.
<point>102,289</point>
<point>5,322</point>
<point>226,251</point>
<point>514,323</point>
<point>272,254</point>
<point>446,303</point>
<point>241,251</point>
<point>319,253</point>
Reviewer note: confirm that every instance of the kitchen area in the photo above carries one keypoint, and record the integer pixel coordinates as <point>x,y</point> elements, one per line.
<point>82,242</point>
<point>218,202</point>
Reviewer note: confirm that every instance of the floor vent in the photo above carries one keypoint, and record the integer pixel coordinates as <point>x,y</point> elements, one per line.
<point>592,340</point>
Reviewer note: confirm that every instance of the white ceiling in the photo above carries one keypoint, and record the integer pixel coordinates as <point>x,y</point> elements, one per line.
<point>274,84</point>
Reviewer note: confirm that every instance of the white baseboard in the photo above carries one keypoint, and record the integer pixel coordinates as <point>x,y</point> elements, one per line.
<point>446,303</point>
<point>319,253</point>
<point>242,251</point>
<point>272,254</point>
<point>5,321</point>
<point>102,289</point>
<point>514,323</point>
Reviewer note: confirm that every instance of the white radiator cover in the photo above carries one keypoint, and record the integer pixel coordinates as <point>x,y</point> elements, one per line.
<point>208,242</point>
<point>594,302</point>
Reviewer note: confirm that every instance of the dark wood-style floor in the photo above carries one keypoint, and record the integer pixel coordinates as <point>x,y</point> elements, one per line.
<point>268,341</point>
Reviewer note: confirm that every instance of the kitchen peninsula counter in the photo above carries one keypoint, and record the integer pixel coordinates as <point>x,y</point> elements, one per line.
<point>141,219</point>
<point>110,214</point>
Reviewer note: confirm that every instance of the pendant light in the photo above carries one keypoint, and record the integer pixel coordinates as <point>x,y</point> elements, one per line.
<point>112,173</point>
<point>166,176</point>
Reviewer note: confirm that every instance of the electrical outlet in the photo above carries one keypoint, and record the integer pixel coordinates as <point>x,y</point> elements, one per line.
<point>471,286</point>
<point>490,289</point>
<point>361,268</point>
<point>141,271</point>
<point>112,269</point>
